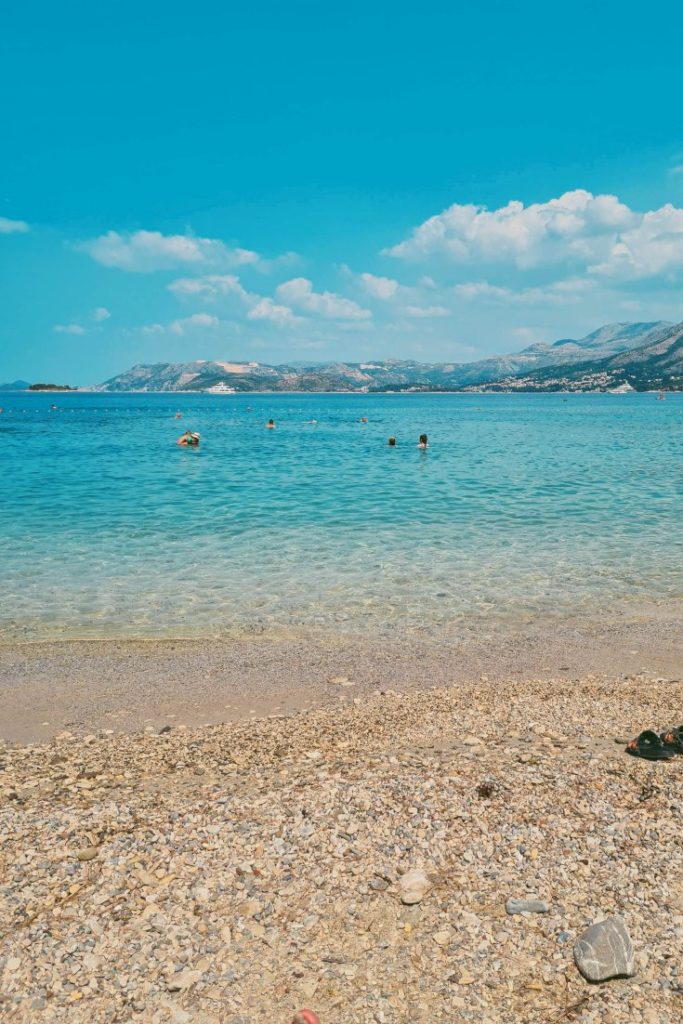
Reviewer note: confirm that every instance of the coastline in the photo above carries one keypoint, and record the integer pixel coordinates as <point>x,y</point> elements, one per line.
<point>127,684</point>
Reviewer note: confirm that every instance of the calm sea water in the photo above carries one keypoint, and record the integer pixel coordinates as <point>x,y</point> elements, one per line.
<point>523,505</point>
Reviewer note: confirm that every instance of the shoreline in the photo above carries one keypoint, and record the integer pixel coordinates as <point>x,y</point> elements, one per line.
<point>127,685</point>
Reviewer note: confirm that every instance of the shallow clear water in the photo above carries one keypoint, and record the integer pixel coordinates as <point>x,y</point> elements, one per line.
<point>523,504</point>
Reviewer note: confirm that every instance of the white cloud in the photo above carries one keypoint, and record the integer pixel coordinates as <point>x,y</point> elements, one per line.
<point>577,225</point>
<point>146,251</point>
<point>651,247</point>
<point>593,233</point>
<point>678,169</point>
<point>558,293</point>
<point>100,314</point>
<point>379,287</point>
<point>425,311</point>
<point>196,320</point>
<point>266,309</point>
<point>69,329</point>
<point>10,227</point>
<point>210,285</point>
<point>299,293</point>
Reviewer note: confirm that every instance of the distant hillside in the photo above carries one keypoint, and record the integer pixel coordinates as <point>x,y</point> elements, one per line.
<point>657,364</point>
<point>385,375</point>
<point>16,385</point>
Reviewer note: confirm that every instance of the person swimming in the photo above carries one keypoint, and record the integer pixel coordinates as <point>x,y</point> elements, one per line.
<point>178,415</point>
<point>364,419</point>
<point>189,439</point>
<point>392,442</point>
<point>270,425</point>
<point>423,442</point>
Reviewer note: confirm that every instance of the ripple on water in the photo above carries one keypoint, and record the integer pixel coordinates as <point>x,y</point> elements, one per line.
<point>533,505</point>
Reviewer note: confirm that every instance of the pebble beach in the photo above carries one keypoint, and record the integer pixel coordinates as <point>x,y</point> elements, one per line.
<point>365,859</point>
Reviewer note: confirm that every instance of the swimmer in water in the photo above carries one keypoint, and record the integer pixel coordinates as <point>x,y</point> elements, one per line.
<point>423,442</point>
<point>188,439</point>
<point>178,415</point>
<point>364,419</point>
<point>270,425</point>
<point>392,442</point>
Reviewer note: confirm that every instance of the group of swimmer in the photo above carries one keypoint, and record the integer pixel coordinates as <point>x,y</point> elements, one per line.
<point>422,443</point>
<point>190,439</point>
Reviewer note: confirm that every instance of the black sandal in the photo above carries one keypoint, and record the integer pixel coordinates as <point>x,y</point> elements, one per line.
<point>673,738</point>
<point>650,746</point>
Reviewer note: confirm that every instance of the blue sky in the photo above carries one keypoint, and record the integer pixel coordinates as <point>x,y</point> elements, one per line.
<point>311,182</point>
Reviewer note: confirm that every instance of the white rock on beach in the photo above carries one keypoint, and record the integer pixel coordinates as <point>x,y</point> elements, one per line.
<point>413,886</point>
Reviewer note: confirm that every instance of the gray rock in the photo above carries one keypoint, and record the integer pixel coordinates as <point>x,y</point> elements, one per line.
<point>605,951</point>
<point>526,906</point>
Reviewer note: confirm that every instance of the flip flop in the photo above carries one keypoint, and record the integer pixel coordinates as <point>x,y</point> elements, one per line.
<point>306,1017</point>
<point>650,746</point>
<point>673,738</point>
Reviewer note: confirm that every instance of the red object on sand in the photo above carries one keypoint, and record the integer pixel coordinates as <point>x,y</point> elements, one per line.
<point>306,1017</point>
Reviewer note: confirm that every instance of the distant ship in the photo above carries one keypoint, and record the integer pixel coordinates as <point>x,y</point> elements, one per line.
<point>221,389</point>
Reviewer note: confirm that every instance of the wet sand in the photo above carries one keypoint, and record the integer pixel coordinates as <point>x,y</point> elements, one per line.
<point>128,685</point>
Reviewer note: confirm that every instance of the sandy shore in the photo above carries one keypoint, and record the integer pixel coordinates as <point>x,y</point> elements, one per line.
<point>124,685</point>
<point>234,873</point>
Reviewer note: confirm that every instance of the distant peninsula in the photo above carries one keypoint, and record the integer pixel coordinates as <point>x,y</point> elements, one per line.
<point>50,387</point>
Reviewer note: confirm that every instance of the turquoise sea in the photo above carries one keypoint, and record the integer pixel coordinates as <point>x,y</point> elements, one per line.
<point>523,505</point>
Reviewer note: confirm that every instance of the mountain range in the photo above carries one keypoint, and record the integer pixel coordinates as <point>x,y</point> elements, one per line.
<point>642,356</point>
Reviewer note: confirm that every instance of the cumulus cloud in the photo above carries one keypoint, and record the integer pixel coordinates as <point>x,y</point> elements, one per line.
<point>299,293</point>
<point>69,329</point>
<point>196,320</point>
<point>10,227</point>
<point>266,309</point>
<point>100,313</point>
<point>379,287</point>
<point>652,246</point>
<point>210,286</point>
<point>182,326</point>
<point>597,233</point>
<point>147,251</point>
<point>577,225</point>
<point>425,311</point>
<point>558,293</point>
<point>678,169</point>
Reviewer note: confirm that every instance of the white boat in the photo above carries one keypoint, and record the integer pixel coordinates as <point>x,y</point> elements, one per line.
<point>221,389</point>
